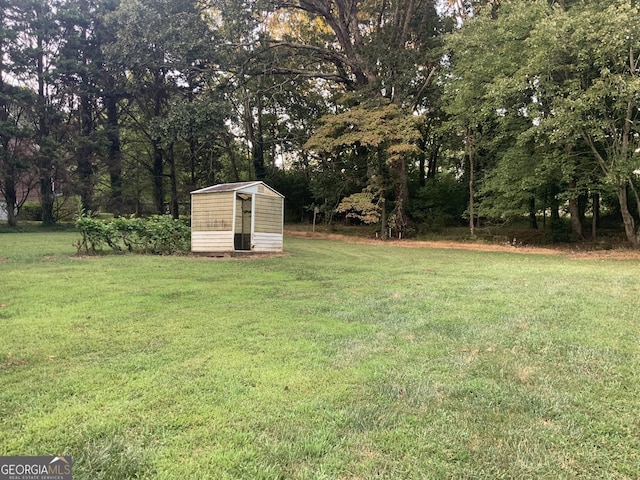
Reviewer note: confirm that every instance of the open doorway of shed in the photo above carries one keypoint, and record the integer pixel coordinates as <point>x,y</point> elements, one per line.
<point>242,239</point>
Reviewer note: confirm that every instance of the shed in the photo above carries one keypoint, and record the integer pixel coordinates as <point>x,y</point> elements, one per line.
<point>242,216</point>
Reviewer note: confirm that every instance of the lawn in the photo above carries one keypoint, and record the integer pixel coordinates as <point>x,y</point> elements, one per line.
<point>336,361</point>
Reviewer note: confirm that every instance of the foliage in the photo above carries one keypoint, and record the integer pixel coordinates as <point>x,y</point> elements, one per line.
<point>384,136</point>
<point>363,206</point>
<point>159,234</point>
<point>440,203</point>
<point>93,231</point>
<point>31,211</point>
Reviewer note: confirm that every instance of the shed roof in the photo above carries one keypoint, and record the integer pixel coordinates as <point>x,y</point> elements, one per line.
<point>235,187</point>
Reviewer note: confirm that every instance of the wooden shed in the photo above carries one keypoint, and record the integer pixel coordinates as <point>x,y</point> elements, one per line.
<point>230,217</point>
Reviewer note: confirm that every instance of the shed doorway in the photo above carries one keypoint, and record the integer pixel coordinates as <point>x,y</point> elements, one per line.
<point>242,240</point>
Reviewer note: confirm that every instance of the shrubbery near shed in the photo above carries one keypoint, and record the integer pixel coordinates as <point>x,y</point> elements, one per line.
<point>159,234</point>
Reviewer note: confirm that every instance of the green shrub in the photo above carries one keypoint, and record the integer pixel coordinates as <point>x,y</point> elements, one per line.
<point>159,234</point>
<point>93,231</point>
<point>31,211</point>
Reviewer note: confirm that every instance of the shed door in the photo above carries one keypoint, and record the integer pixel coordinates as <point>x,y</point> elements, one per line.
<point>242,240</point>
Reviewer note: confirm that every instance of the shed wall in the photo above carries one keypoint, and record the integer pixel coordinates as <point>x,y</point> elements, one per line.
<point>211,241</point>
<point>268,214</point>
<point>212,212</point>
<point>267,191</point>
<point>267,242</point>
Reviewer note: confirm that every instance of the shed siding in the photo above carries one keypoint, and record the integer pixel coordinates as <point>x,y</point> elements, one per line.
<point>267,191</point>
<point>268,214</point>
<point>211,241</point>
<point>212,212</point>
<point>267,242</point>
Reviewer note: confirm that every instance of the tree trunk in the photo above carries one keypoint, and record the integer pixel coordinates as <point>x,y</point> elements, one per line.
<point>45,163</point>
<point>533,221</point>
<point>574,209</point>
<point>157,177</point>
<point>157,167</point>
<point>555,223</point>
<point>10,194</point>
<point>192,161</point>
<point>114,155</point>
<point>383,219</point>
<point>84,153</point>
<point>232,156</point>
<point>470,155</point>
<point>433,161</point>
<point>7,178</point>
<point>627,218</point>
<point>254,135</point>
<point>47,199</point>
<point>583,203</point>
<point>595,219</point>
<point>258,145</point>
<point>402,197</point>
<point>174,184</point>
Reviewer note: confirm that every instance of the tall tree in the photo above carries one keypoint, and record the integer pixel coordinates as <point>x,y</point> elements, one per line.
<point>382,133</point>
<point>373,49</point>
<point>584,64</point>
<point>160,44</point>
<point>35,58</point>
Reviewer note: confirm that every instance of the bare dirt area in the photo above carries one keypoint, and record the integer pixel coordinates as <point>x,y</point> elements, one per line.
<point>238,255</point>
<point>569,250</point>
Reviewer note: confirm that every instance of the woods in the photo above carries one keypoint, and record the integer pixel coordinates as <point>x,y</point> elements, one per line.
<point>408,114</point>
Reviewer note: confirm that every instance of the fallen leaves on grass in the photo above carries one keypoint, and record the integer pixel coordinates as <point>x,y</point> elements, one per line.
<point>524,374</point>
<point>13,362</point>
<point>570,251</point>
<point>474,353</point>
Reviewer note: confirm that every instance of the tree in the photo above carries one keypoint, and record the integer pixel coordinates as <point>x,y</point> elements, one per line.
<point>584,64</point>
<point>162,46</point>
<point>18,175</point>
<point>383,134</point>
<point>35,60</point>
<point>17,151</point>
<point>381,52</point>
<point>546,94</point>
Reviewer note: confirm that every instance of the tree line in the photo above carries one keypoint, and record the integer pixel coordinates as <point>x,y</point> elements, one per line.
<point>402,113</point>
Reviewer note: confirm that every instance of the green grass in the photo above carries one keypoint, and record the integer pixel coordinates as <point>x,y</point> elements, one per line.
<point>339,360</point>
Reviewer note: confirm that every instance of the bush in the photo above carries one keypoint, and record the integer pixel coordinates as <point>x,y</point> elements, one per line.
<point>31,211</point>
<point>159,234</point>
<point>94,233</point>
<point>439,204</point>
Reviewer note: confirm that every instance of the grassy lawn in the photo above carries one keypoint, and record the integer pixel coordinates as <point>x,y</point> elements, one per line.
<point>339,360</point>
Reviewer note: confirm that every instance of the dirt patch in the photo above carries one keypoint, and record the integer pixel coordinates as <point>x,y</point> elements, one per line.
<point>11,361</point>
<point>571,251</point>
<point>618,254</point>
<point>2,259</point>
<point>238,255</point>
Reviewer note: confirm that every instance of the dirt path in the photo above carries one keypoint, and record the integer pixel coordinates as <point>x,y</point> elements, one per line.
<point>571,251</point>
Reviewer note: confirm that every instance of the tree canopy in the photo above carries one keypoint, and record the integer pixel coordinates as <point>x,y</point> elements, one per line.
<point>389,112</point>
